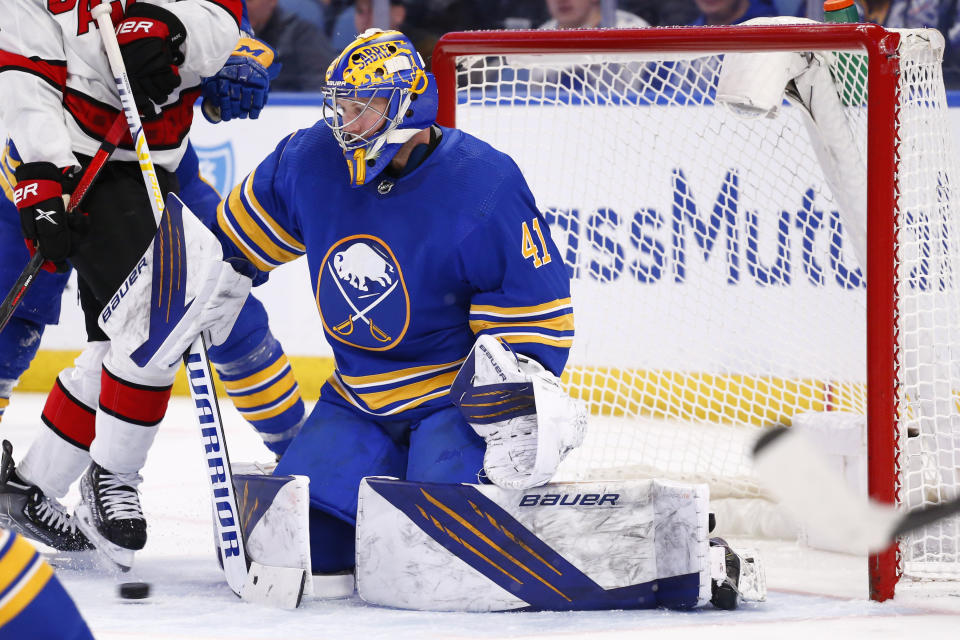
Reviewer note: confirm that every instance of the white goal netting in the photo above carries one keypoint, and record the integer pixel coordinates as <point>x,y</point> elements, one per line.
<point>715,289</point>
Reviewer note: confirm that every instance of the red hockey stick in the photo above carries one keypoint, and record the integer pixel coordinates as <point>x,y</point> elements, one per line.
<point>29,273</point>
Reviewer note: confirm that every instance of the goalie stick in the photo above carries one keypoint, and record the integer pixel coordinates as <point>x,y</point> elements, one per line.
<point>29,274</point>
<point>792,468</point>
<point>250,580</point>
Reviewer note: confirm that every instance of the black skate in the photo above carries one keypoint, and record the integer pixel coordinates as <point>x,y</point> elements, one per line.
<point>736,576</point>
<point>25,509</point>
<point>110,513</point>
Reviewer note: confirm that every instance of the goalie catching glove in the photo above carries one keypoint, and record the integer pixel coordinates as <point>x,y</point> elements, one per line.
<point>522,412</point>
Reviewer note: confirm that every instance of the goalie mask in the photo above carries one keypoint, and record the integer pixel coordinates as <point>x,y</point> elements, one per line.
<point>377,96</point>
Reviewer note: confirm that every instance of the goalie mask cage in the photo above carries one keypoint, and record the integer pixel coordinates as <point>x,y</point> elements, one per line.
<point>715,288</point>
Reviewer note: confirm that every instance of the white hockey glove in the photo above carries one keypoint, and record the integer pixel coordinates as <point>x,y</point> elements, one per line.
<point>522,412</point>
<point>179,288</point>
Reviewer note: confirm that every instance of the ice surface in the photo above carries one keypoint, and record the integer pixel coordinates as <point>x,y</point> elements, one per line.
<point>812,593</point>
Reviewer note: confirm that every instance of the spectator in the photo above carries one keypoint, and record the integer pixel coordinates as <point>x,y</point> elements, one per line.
<point>661,12</point>
<point>717,12</point>
<point>585,14</point>
<point>359,16</point>
<point>313,11</point>
<point>509,14</point>
<point>301,47</point>
<point>363,15</point>
<point>343,30</point>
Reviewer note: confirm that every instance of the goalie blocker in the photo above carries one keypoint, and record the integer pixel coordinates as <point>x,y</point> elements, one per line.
<point>588,546</point>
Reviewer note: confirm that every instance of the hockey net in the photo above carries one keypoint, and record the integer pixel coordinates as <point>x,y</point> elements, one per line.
<point>716,292</point>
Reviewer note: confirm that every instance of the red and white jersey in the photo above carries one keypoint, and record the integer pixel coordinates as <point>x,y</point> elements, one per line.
<point>58,96</point>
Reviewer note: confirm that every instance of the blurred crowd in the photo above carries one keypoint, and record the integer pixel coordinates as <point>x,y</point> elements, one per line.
<point>307,34</point>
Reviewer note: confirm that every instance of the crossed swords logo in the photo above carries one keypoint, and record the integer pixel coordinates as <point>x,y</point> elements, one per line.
<point>345,328</point>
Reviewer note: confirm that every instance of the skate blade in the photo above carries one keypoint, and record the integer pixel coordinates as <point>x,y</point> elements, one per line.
<point>119,556</point>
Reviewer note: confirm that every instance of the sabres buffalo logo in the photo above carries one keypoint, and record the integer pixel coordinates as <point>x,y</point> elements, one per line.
<point>361,294</point>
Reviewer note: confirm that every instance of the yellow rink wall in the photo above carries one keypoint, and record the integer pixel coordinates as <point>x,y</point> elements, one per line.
<point>609,391</point>
<point>311,372</point>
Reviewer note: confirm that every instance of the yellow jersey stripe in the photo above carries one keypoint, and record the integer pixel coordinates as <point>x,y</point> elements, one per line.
<point>259,378</point>
<point>521,311</point>
<point>15,560</point>
<point>249,224</point>
<point>25,591</point>
<point>274,411</point>
<point>341,389</point>
<point>291,242</point>
<point>399,375</point>
<point>224,223</point>
<point>519,338</point>
<point>7,180</point>
<point>271,394</point>
<point>380,399</point>
<point>560,323</point>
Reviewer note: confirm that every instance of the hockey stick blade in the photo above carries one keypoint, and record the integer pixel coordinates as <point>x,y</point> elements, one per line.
<point>274,586</point>
<point>818,497</point>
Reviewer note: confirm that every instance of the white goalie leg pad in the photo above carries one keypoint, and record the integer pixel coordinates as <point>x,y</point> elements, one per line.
<point>179,288</point>
<point>601,545</point>
<point>274,513</point>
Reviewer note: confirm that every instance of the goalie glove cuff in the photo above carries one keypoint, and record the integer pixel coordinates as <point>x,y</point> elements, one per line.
<point>520,409</point>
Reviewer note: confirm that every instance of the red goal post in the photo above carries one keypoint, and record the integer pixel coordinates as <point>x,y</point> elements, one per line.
<point>461,57</point>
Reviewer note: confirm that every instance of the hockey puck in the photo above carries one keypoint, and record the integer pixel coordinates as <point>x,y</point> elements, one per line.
<point>134,590</point>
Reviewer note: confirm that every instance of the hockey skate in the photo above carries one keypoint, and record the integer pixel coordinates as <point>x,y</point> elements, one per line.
<point>25,509</point>
<point>736,576</point>
<point>110,514</point>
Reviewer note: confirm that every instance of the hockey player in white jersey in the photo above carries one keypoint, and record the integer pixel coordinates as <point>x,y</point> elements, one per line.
<point>251,362</point>
<point>57,100</point>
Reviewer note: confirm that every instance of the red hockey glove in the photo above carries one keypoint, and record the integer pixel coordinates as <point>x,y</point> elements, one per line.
<point>150,39</point>
<point>45,224</point>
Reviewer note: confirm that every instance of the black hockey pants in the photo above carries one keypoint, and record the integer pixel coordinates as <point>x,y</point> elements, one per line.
<point>121,227</point>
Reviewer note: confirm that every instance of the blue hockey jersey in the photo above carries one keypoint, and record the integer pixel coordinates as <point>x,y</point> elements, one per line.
<point>33,603</point>
<point>407,272</point>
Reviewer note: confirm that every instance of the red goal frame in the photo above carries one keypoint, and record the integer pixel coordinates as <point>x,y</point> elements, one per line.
<point>882,185</point>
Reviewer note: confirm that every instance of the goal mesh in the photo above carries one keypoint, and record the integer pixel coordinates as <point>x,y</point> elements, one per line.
<point>715,288</point>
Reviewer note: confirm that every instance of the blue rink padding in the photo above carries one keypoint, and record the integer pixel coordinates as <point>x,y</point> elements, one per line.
<point>460,515</point>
